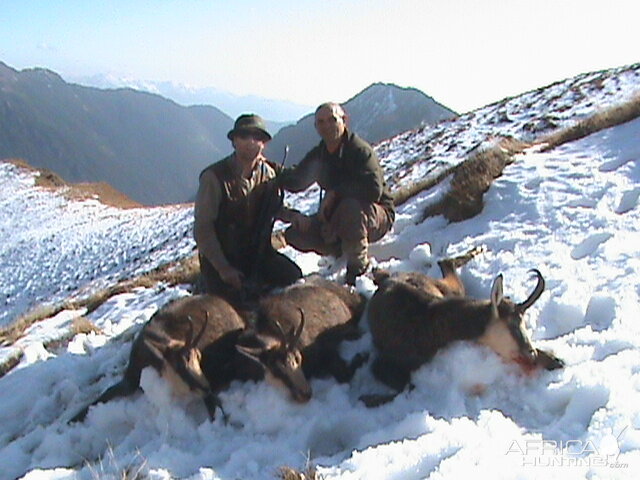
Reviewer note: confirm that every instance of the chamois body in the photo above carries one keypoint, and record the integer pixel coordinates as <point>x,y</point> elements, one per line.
<point>191,342</point>
<point>322,314</point>
<point>421,324</point>
<point>203,342</point>
<point>412,316</point>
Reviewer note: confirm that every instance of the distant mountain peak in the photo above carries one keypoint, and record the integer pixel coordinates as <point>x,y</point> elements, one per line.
<point>42,73</point>
<point>380,111</point>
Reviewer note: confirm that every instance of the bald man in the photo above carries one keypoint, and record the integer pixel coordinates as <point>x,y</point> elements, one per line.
<point>357,208</point>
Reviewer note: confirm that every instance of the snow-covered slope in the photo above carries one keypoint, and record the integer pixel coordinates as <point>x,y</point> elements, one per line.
<point>573,213</point>
<point>414,154</point>
<point>52,248</point>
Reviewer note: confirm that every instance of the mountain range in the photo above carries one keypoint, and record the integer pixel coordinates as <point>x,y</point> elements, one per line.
<point>378,112</point>
<point>144,145</point>
<point>276,112</point>
<point>149,147</point>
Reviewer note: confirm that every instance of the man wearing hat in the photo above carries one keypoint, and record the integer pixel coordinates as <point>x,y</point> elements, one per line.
<point>227,210</point>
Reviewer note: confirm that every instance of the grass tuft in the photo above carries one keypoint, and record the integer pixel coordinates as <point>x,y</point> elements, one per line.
<point>107,467</point>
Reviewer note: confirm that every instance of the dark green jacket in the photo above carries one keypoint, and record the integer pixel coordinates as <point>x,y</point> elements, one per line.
<point>352,172</point>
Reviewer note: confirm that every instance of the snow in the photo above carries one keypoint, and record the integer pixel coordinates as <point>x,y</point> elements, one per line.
<point>572,213</point>
<point>53,249</point>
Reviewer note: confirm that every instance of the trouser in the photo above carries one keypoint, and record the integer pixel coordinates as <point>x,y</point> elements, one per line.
<point>271,271</point>
<point>352,226</point>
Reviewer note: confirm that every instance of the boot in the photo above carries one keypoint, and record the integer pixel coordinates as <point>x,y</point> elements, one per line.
<point>357,258</point>
<point>355,270</point>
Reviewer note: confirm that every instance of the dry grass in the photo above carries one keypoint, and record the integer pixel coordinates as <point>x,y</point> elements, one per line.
<point>10,363</point>
<point>402,194</point>
<point>607,118</point>
<point>185,271</point>
<point>506,145</point>
<point>78,325</point>
<point>105,467</point>
<point>288,473</point>
<point>101,191</point>
<point>471,179</point>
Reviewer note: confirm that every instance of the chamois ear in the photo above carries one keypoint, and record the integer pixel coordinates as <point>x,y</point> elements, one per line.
<point>253,345</point>
<point>496,295</point>
<point>250,353</point>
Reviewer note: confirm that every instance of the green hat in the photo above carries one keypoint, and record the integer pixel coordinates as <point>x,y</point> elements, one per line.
<point>248,122</point>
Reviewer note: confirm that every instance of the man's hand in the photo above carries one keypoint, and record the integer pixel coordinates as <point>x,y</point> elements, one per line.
<point>231,276</point>
<point>301,222</point>
<point>329,203</point>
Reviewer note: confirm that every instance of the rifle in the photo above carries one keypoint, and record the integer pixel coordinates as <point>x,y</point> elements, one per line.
<point>261,242</point>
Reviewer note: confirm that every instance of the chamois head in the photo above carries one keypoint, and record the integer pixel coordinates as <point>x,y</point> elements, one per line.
<point>280,357</point>
<point>505,333</point>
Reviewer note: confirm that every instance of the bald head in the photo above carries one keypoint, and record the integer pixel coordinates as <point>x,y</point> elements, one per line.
<point>333,107</point>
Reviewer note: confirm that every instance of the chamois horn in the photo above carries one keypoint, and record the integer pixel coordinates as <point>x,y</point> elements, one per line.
<point>536,291</point>
<point>194,341</point>
<point>296,335</point>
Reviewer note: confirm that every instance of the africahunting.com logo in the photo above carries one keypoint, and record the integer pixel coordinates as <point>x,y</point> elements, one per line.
<point>569,453</point>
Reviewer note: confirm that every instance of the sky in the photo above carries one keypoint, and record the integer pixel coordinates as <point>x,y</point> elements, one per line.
<point>573,213</point>
<point>463,53</point>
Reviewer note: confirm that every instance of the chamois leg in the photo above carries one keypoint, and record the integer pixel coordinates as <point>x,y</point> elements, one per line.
<point>212,402</point>
<point>448,265</point>
<point>451,283</point>
<point>342,371</point>
<point>391,374</point>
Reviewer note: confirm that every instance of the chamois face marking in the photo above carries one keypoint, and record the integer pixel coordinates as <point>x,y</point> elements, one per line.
<point>280,358</point>
<point>505,333</point>
<point>285,369</point>
<point>508,339</point>
<point>191,361</point>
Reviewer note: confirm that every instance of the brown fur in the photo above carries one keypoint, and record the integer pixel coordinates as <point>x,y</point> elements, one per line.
<point>412,316</point>
<point>331,313</point>
<point>192,339</point>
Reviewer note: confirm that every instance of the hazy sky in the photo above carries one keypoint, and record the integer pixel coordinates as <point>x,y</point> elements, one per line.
<point>464,53</point>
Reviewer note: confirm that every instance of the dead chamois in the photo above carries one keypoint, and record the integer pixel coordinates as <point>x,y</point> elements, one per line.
<point>412,316</point>
<point>192,343</point>
<point>312,318</point>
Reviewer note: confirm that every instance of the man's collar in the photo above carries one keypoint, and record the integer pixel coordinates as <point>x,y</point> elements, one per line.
<point>236,165</point>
